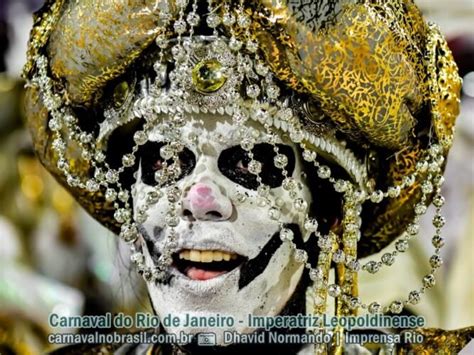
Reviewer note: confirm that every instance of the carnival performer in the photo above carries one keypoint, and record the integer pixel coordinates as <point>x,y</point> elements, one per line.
<point>251,153</point>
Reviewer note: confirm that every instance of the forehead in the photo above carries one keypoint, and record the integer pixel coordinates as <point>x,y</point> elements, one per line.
<point>218,131</point>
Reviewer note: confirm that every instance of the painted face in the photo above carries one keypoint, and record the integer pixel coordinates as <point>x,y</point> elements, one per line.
<point>229,259</point>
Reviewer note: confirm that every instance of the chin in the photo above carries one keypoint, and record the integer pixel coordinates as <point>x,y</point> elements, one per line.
<point>222,303</point>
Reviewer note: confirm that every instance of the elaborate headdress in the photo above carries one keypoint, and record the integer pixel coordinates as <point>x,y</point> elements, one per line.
<point>367,86</point>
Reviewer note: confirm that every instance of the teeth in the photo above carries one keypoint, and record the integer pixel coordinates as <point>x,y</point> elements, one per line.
<point>195,255</point>
<point>184,255</point>
<point>206,256</point>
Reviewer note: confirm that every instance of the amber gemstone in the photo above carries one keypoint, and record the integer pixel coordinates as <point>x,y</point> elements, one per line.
<point>208,76</point>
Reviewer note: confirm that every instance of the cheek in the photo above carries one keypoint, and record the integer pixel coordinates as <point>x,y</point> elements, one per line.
<point>291,209</point>
<point>155,211</point>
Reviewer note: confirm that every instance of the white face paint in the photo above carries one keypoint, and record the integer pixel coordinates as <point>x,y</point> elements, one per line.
<point>213,221</point>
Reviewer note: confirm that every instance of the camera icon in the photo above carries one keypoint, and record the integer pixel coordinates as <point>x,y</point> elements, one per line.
<point>206,339</point>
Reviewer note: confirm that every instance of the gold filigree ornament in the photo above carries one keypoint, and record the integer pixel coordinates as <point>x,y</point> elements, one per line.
<point>367,86</point>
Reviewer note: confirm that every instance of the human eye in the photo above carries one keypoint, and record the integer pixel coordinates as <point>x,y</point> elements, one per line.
<point>234,164</point>
<point>152,162</point>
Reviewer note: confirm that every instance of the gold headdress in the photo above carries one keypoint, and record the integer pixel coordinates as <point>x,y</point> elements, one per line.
<point>368,85</point>
<point>374,70</point>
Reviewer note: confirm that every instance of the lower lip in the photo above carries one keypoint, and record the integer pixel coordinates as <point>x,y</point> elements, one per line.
<point>208,283</point>
<point>196,274</point>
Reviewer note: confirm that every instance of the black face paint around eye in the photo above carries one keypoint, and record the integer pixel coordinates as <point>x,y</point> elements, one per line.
<point>151,162</point>
<point>233,163</point>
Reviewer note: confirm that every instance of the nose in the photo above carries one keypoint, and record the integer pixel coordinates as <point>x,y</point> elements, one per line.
<point>204,201</point>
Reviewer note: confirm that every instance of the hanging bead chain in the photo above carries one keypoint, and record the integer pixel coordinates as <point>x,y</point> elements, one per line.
<point>170,174</point>
<point>431,165</point>
<point>327,243</point>
<point>171,151</point>
<point>348,255</point>
<point>60,117</point>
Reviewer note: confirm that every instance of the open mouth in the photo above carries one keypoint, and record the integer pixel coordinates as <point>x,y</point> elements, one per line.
<point>205,264</point>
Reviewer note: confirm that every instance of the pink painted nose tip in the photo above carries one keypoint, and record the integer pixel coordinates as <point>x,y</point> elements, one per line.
<point>206,202</point>
<point>201,189</point>
<point>201,197</point>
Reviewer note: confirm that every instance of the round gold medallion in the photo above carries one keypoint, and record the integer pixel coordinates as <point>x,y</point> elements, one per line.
<point>208,76</point>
